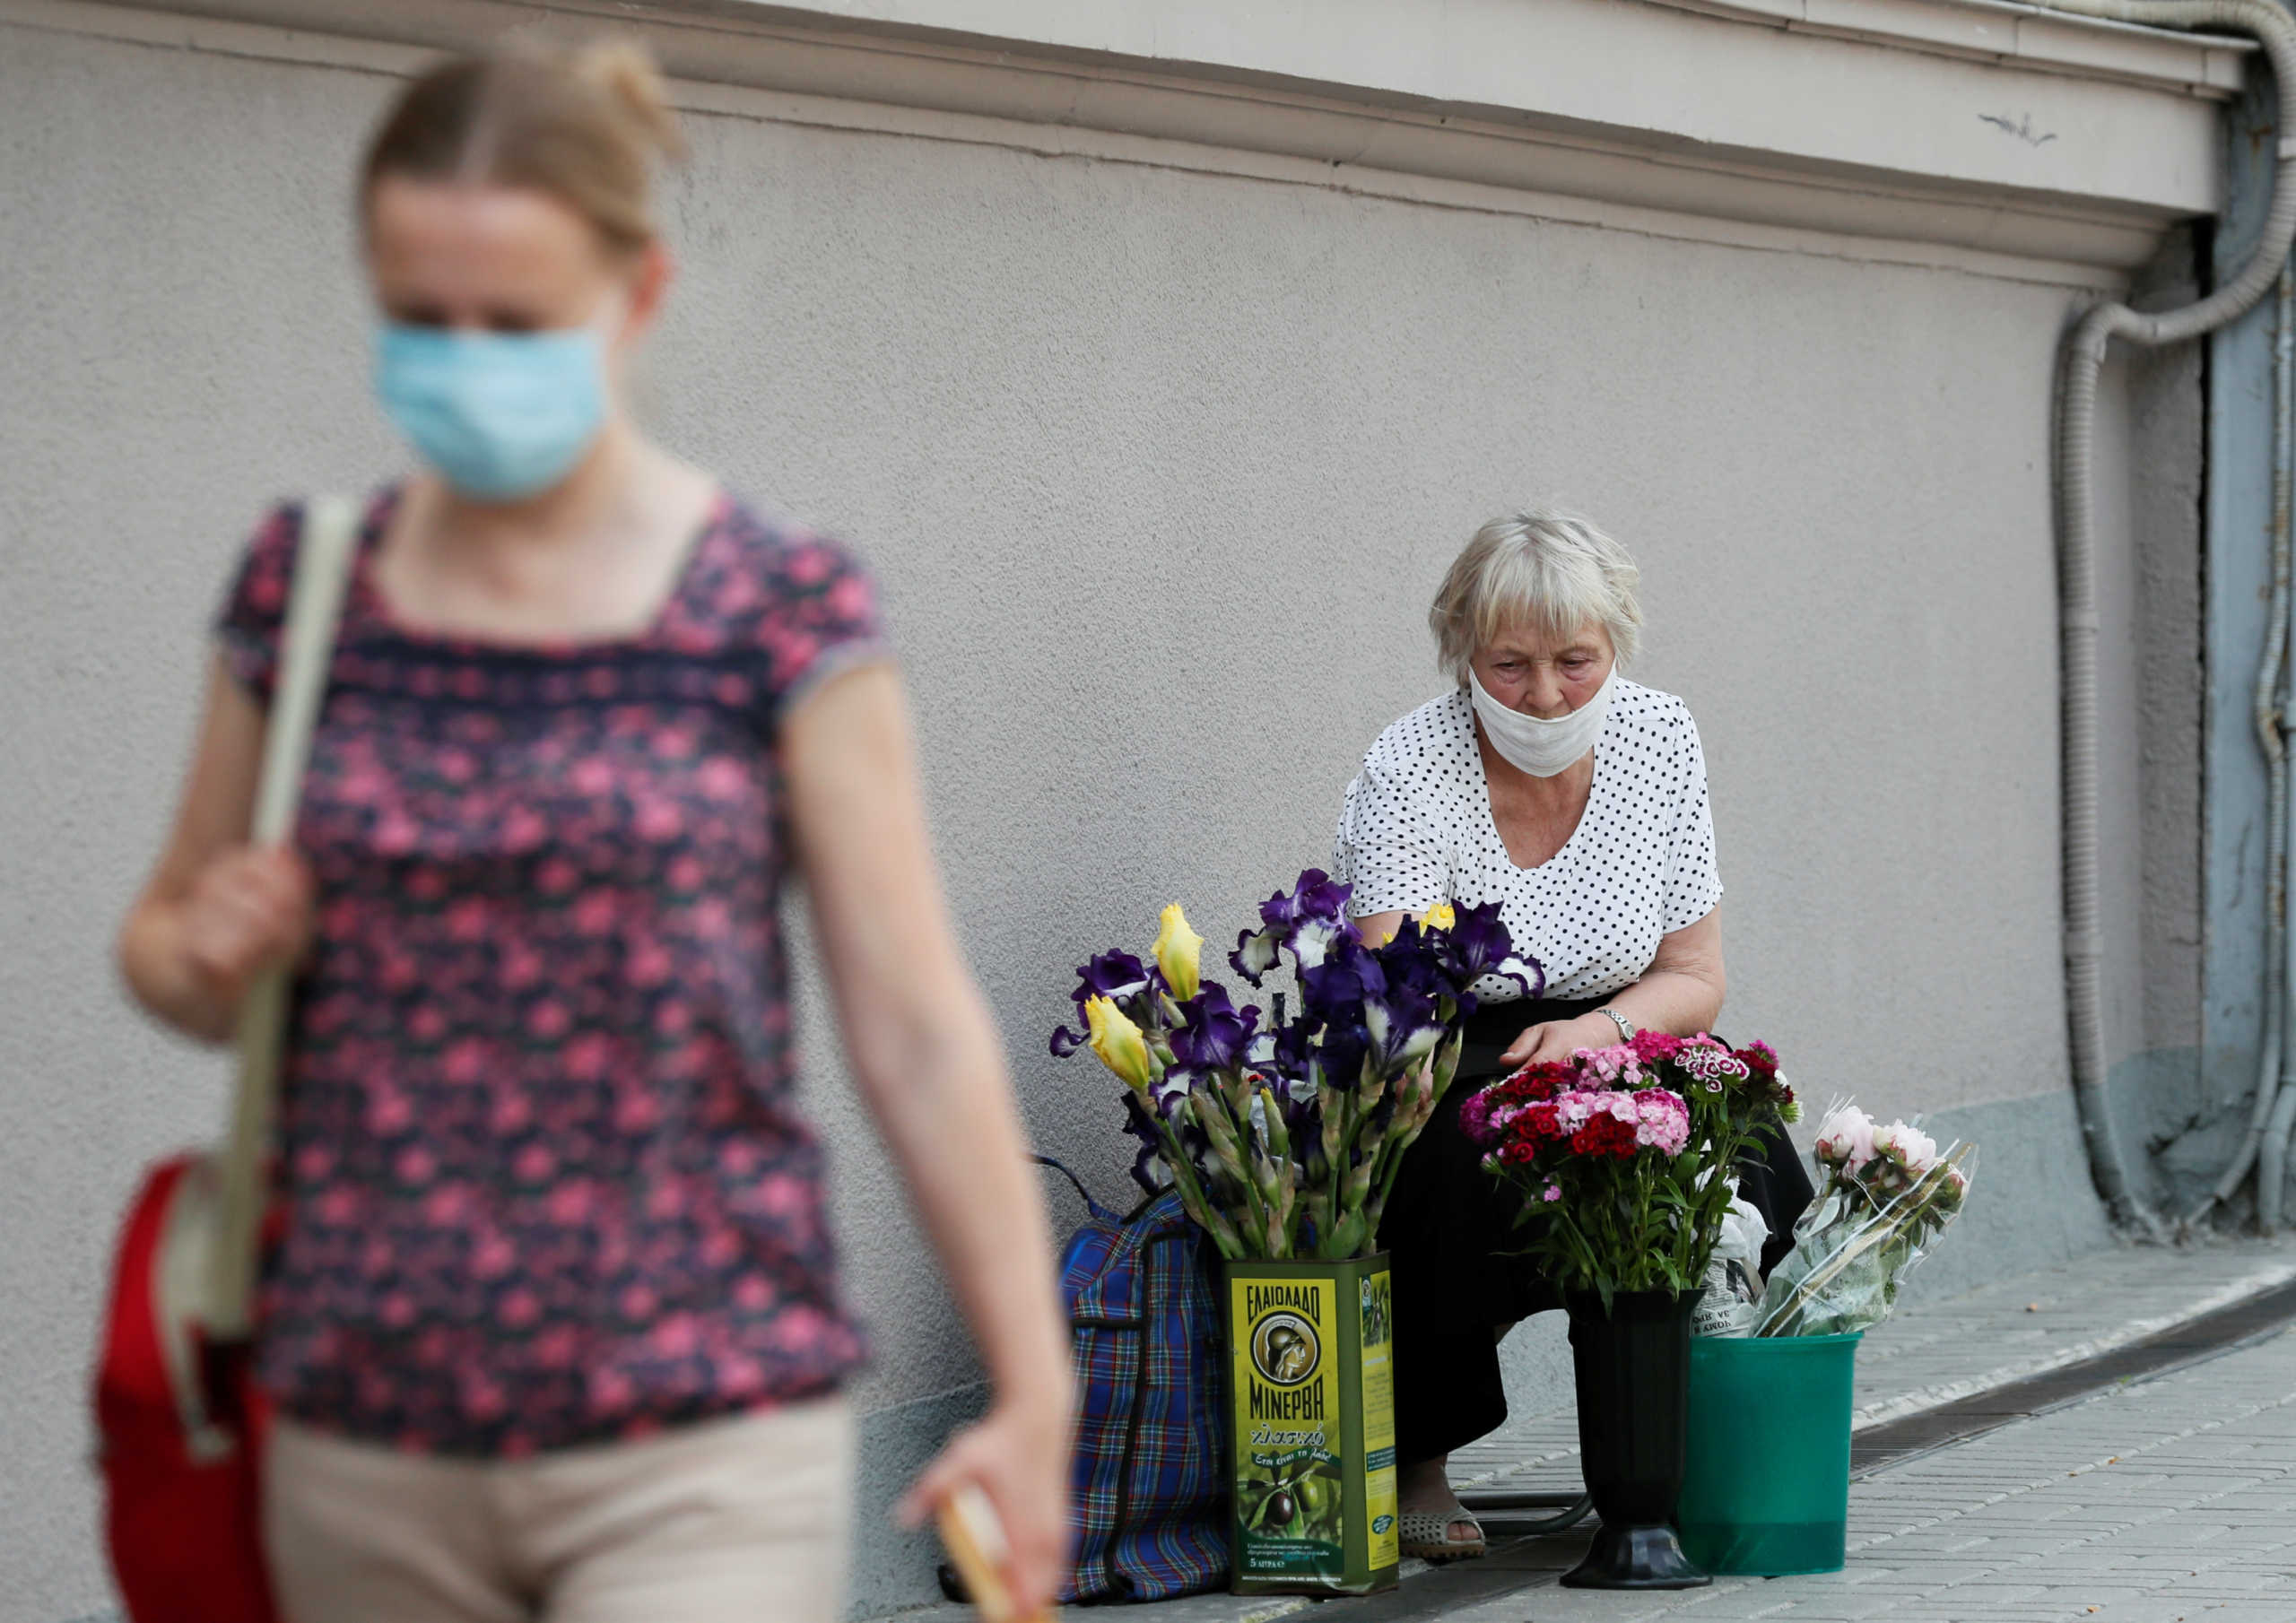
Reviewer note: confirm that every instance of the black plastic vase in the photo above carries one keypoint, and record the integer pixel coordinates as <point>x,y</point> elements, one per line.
<point>1633,1368</point>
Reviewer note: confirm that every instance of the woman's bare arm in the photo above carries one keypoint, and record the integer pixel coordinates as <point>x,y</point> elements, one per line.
<point>1374,928</point>
<point>1680,992</point>
<point>216,912</point>
<point>928,1060</point>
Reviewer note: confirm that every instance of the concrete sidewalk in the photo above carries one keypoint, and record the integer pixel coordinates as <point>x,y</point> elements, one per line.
<point>1930,1354</point>
<point>1982,1531</point>
<point>2170,1500</point>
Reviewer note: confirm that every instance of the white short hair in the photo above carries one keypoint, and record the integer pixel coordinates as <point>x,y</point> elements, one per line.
<point>1552,569</point>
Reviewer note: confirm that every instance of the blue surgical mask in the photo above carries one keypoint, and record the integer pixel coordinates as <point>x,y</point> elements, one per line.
<point>501,416</point>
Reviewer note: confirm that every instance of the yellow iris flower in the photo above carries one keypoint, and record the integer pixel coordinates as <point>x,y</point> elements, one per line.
<point>1180,954</point>
<point>1118,1043</point>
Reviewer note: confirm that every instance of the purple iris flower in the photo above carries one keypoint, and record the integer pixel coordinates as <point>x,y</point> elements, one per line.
<point>1341,1052</point>
<point>1290,1052</point>
<point>1334,995</point>
<point>1336,988</point>
<point>1307,921</point>
<point>1212,1035</point>
<point>1405,1020</point>
<point>1316,897</point>
<point>1141,1126</point>
<point>1410,961</point>
<point>1477,944</point>
<point>1117,975</point>
<point>1302,1116</point>
<point>1257,952</point>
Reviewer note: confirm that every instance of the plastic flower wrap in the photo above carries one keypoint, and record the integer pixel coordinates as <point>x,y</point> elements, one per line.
<point>1733,1299</point>
<point>1622,1154</point>
<point>1886,1193</point>
<point>1284,1135</point>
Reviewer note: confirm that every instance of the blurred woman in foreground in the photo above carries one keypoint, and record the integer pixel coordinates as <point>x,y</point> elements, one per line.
<point>553,1331</point>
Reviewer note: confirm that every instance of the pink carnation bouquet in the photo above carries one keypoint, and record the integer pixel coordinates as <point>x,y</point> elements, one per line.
<point>1622,1154</point>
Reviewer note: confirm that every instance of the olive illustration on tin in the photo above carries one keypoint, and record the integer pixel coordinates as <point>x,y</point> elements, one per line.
<point>1299,1500</point>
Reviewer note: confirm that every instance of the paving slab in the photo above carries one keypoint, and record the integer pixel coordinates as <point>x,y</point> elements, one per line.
<point>2009,1332</point>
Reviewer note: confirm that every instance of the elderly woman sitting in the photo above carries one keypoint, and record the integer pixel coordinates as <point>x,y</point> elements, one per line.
<point>1576,799</point>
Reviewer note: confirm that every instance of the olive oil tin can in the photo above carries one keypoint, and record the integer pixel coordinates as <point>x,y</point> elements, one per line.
<point>1314,1455</point>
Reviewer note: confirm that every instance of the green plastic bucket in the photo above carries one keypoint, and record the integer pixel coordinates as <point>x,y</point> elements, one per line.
<point>1766,1487</point>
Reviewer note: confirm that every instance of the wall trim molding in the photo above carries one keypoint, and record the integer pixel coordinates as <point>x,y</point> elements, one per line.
<point>730,58</point>
<point>2005,32</point>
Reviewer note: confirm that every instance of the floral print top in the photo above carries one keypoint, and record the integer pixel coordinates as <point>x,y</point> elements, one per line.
<point>545,1180</point>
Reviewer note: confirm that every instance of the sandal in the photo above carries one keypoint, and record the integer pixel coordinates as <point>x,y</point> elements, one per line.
<point>1427,1534</point>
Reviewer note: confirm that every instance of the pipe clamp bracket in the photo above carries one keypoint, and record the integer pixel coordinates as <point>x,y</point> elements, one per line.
<point>2287,147</point>
<point>2082,945</point>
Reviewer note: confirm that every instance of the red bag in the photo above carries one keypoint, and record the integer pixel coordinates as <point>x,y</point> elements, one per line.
<point>179,1420</point>
<point>180,1423</point>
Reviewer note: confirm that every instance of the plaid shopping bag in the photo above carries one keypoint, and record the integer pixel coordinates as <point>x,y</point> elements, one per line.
<point>1149,1478</point>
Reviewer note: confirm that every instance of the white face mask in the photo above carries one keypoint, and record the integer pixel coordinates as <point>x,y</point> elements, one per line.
<point>1532,744</point>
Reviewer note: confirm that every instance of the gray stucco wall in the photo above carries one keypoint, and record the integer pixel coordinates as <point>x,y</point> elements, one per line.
<point>1158,470</point>
<point>2166,495</point>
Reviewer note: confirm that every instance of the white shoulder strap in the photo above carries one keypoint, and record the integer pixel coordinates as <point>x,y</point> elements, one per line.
<point>306,651</point>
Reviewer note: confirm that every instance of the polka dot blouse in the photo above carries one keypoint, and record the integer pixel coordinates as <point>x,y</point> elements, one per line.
<point>1417,830</point>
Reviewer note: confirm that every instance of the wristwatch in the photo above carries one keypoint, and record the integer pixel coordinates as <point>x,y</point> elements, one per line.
<point>1625,1026</point>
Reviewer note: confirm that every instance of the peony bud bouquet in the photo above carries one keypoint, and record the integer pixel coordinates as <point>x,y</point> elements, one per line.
<point>1282,1135</point>
<point>1886,1193</point>
<point>1623,1154</point>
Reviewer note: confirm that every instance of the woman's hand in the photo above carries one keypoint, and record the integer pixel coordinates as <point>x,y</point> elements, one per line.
<point>248,910</point>
<point>1018,1456</point>
<point>1560,1039</point>
<point>216,913</point>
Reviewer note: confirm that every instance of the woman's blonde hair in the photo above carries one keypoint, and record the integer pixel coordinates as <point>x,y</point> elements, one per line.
<point>1552,569</point>
<point>584,127</point>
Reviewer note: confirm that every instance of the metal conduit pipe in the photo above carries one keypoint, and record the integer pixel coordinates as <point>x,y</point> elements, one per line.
<point>2084,358</point>
<point>2279,973</point>
<point>2272,1154</point>
<point>2272,1162</point>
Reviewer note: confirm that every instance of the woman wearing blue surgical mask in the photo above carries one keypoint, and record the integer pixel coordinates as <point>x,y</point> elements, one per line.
<point>553,1330</point>
<point>1548,782</point>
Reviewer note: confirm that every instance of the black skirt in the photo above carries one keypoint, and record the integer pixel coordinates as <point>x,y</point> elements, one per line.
<point>1448,1228</point>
